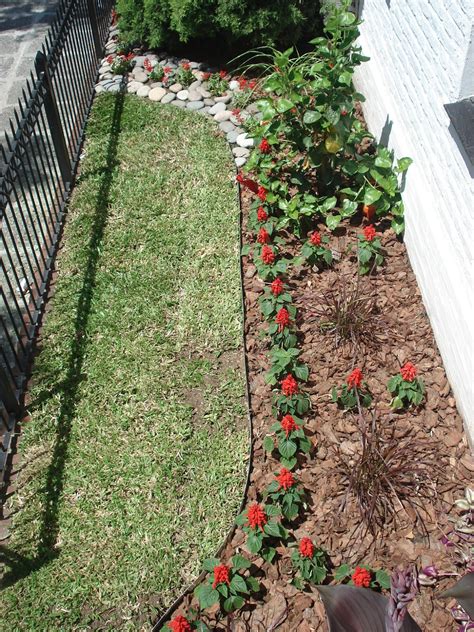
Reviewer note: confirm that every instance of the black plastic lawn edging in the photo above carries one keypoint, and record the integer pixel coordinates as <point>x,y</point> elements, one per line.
<point>189,589</point>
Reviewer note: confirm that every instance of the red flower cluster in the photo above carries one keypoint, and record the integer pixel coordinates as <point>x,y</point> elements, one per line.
<point>262,193</point>
<point>128,57</point>
<point>354,380</point>
<point>250,184</point>
<point>369,233</point>
<point>285,479</point>
<point>179,624</point>
<point>343,112</point>
<point>289,386</point>
<point>252,84</point>
<point>222,74</point>
<point>408,372</point>
<point>282,319</point>
<point>361,577</point>
<point>306,548</point>
<point>109,59</point>
<point>268,256</point>
<point>276,287</point>
<point>263,236</point>
<point>206,76</point>
<point>256,517</point>
<point>147,65</point>
<point>264,146</point>
<point>262,214</point>
<point>288,424</point>
<point>242,82</point>
<point>167,70</point>
<point>315,238</point>
<point>186,66</point>
<point>221,575</point>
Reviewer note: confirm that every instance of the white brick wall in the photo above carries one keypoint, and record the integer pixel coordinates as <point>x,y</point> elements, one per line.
<point>418,52</point>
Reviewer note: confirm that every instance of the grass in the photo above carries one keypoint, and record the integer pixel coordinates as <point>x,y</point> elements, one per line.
<point>133,460</point>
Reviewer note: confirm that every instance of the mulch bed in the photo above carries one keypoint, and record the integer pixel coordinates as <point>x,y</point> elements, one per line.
<point>401,332</point>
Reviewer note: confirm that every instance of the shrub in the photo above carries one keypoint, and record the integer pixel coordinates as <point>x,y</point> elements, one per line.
<point>237,22</point>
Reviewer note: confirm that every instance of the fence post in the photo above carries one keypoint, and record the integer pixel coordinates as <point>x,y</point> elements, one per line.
<point>95,27</point>
<point>54,121</point>
<point>7,395</point>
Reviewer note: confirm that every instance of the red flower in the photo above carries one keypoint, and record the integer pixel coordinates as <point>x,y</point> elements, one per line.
<point>267,256</point>
<point>256,517</point>
<point>408,372</point>
<point>263,236</point>
<point>252,84</point>
<point>222,74</point>
<point>179,624</point>
<point>288,424</point>
<point>361,577</point>
<point>250,184</point>
<point>354,380</point>
<point>276,287</point>
<point>282,319</point>
<point>186,66</point>
<point>285,479</point>
<point>262,214</point>
<point>369,232</point>
<point>221,575</point>
<point>343,112</point>
<point>205,76</point>
<point>242,82</point>
<point>262,193</point>
<point>289,386</point>
<point>315,238</point>
<point>265,146</point>
<point>165,80</point>
<point>167,70</point>
<point>130,56</point>
<point>147,65</point>
<point>306,548</point>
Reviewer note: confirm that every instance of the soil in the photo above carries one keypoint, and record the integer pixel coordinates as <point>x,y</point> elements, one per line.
<point>398,331</point>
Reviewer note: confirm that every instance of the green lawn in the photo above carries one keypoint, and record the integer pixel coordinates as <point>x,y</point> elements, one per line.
<point>134,458</point>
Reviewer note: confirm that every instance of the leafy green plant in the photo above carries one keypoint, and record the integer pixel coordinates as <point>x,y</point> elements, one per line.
<point>283,337</point>
<point>218,84</point>
<point>369,252</point>
<point>406,388</point>
<point>121,64</point>
<point>225,585</point>
<point>286,492</point>
<point>362,576</point>
<point>186,624</point>
<point>184,75</point>
<point>260,524</point>
<point>275,297</point>
<point>157,73</point>
<point>352,394</point>
<point>291,400</point>
<point>314,252</point>
<point>283,361</point>
<point>290,439</point>
<point>310,563</point>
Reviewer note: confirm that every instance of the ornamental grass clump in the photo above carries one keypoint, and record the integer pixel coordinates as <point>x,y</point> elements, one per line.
<point>290,439</point>
<point>407,389</point>
<point>285,492</point>
<point>225,585</point>
<point>354,393</point>
<point>262,526</point>
<point>310,564</point>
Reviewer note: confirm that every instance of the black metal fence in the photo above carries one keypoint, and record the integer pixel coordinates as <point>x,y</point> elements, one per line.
<point>40,156</point>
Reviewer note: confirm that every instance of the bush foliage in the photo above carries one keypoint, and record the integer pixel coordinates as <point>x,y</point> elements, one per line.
<point>236,22</point>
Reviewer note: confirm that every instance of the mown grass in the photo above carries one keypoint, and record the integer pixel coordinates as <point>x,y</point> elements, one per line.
<point>133,460</point>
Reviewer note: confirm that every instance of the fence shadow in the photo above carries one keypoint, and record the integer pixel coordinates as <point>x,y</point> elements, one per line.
<point>20,566</point>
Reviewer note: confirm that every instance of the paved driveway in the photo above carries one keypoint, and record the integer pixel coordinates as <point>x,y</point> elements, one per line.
<point>23,26</point>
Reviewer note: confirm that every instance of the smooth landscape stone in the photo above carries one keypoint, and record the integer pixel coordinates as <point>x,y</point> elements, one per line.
<point>176,87</point>
<point>107,75</point>
<point>252,108</point>
<point>114,88</point>
<point>240,162</point>
<point>156,94</point>
<point>237,120</point>
<point>140,76</point>
<point>226,126</point>
<point>232,136</point>
<point>222,116</point>
<point>183,95</point>
<point>240,152</point>
<point>133,86</point>
<point>205,93</point>
<point>170,96</point>
<point>143,91</point>
<point>194,64</point>
<point>193,95</point>
<point>178,103</point>
<point>204,110</point>
<point>139,61</point>
<point>195,105</point>
<point>234,85</point>
<point>156,84</point>
<point>224,99</point>
<point>244,141</point>
<point>194,85</point>
<point>99,88</point>
<point>209,102</point>
<point>105,69</point>
<point>218,107</point>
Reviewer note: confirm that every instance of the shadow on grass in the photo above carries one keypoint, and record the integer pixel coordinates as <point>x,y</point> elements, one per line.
<point>20,566</point>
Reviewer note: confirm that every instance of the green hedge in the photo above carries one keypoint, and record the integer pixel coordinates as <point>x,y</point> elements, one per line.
<point>236,23</point>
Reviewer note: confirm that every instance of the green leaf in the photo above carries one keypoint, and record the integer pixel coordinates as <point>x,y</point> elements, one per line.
<point>383,579</point>
<point>342,572</point>
<point>239,562</point>
<point>254,542</point>
<point>287,448</point>
<point>301,372</point>
<point>272,529</point>
<point>201,627</point>
<point>268,444</point>
<point>403,164</point>
<point>245,250</point>
<point>311,116</point>
<point>208,565</point>
<point>333,221</point>
<point>371,195</point>
<point>268,554</point>
<point>384,162</point>
<point>393,382</point>
<point>253,584</point>
<point>238,585</point>
<point>283,105</point>
<point>206,595</point>
<point>347,18</point>
<point>345,78</point>
<point>288,463</point>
